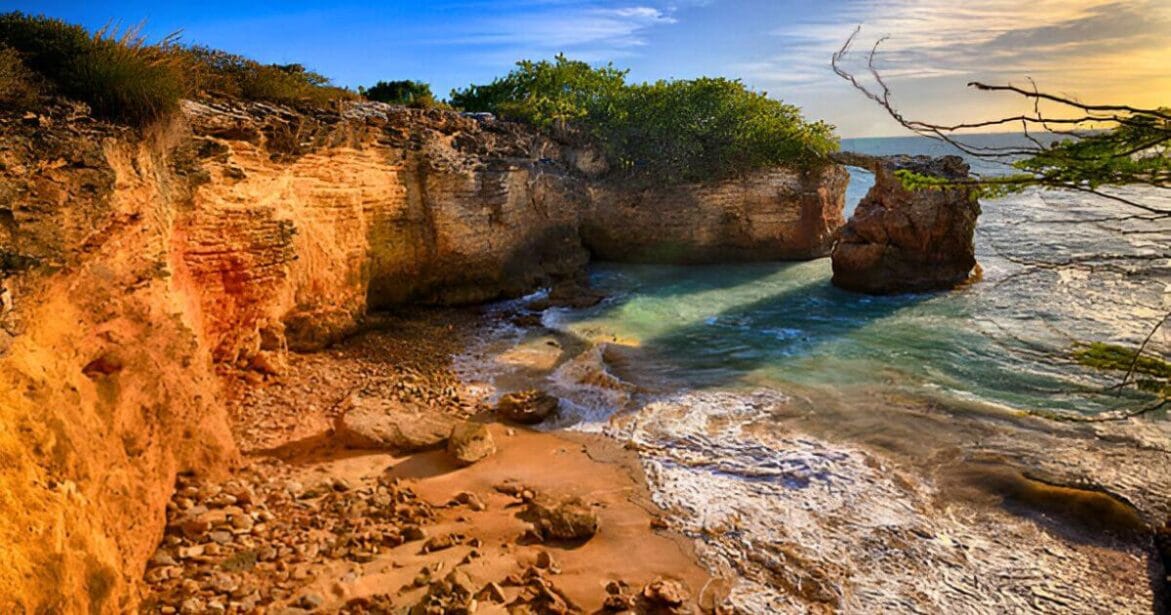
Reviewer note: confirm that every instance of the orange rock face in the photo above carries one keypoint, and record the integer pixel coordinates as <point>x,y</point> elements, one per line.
<point>133,266</point>
<point>106,386</point>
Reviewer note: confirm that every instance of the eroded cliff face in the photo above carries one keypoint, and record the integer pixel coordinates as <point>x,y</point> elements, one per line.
<point>106,386</point>
<point>774,214</point>
<point>136,266</point>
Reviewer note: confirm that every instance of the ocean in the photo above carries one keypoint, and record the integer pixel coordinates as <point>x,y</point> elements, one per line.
<point>835,449</point>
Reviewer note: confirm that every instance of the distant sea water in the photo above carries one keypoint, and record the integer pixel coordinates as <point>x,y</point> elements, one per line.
<point>759,382</point>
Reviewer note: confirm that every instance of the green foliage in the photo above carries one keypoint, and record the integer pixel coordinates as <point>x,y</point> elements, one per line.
<point>1134,151</point>
<point>120,76</point>
<point>547,93</point>
<point>989,188</point>
<point>1104,356</point>
<point>674,130</point>
<point>702,128</point>
<point>227,74</point>
<point>125,78</point>
<point>403,92</point>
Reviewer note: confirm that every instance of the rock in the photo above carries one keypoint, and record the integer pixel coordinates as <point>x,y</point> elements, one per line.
<point>492,592</point>
<point>570,294</point>
<point>470,442</point>
<point>471,500</point>
<point>445,541</point>
<point>311,601</point>
<point>901,240</point>
<point>764,215</point>
<point>191,606</point>
<point>452,594</point>
<point>545,562</point>
<point>527,407</point>
<point>513,488</point>
<point>567,519</point>
<point>618,603</point>
<point>665,596</point>
<point>190,552</point>
<point>391,425</point>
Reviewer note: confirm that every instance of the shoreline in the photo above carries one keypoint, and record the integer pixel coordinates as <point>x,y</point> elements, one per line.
<point>813,503</point>
<point>303,495</point>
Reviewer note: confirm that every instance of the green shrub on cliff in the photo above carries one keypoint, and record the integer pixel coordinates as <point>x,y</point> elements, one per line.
<point>404,92</point>
<point>697,129</point>
<point>547,93</point>
<point>684,130</point>
<point>120,76</point>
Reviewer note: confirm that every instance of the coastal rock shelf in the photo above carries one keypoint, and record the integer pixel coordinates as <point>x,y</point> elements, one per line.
<point>139,267</point>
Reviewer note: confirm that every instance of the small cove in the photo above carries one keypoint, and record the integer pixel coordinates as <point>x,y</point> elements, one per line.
<point>756,390</point>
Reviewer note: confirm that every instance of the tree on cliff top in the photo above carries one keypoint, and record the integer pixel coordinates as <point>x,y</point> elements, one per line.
<point>402,92</point>
<point>1068,145</point>
<point>680,130</point>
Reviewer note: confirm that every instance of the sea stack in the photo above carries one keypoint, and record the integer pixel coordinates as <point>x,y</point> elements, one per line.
<point>903,240</point>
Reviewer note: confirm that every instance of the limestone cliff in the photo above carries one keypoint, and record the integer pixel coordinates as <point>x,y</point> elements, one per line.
<point>133,266</point>
<point>774,214</point>
<point>106,386</point>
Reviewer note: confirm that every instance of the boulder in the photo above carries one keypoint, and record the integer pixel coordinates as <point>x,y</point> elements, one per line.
<point>565,519</point>
<point>391,425</point>
<point>470,442</point>
<point>568,293</point>
<point>901,240</point>
<point>665,596</point>
<point>527,407</point>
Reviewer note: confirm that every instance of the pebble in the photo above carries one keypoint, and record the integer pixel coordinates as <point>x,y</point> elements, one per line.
<point>312,601</point>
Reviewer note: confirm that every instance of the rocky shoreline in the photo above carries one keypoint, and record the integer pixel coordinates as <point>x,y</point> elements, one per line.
<point>140,268</point>
<point>542,524</point>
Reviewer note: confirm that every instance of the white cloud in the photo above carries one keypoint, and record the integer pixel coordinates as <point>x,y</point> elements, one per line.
<point>1105,50</point>
<point>583,30</point>
<point>930,38</point>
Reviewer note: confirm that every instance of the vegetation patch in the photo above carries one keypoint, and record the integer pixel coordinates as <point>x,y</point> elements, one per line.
<point>119,76</point>
<point>215,72</point>
<point>124,78</point>
<point>404,92</point>
<point>680,130</point>
<point>1151,374</point>
<point>17,87</point>
<point>240,561</point>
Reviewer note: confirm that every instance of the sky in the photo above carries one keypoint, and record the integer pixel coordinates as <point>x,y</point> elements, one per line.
<point>1097,51</point>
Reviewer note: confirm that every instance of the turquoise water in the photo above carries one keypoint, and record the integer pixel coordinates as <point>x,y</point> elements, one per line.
<point>1005,341</point>
<point>851,441</point>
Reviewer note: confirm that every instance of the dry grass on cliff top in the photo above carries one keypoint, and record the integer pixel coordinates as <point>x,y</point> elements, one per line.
<point>124,78</point>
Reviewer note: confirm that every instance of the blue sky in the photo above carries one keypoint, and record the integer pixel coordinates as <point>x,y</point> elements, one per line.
<point>1098,50</point>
